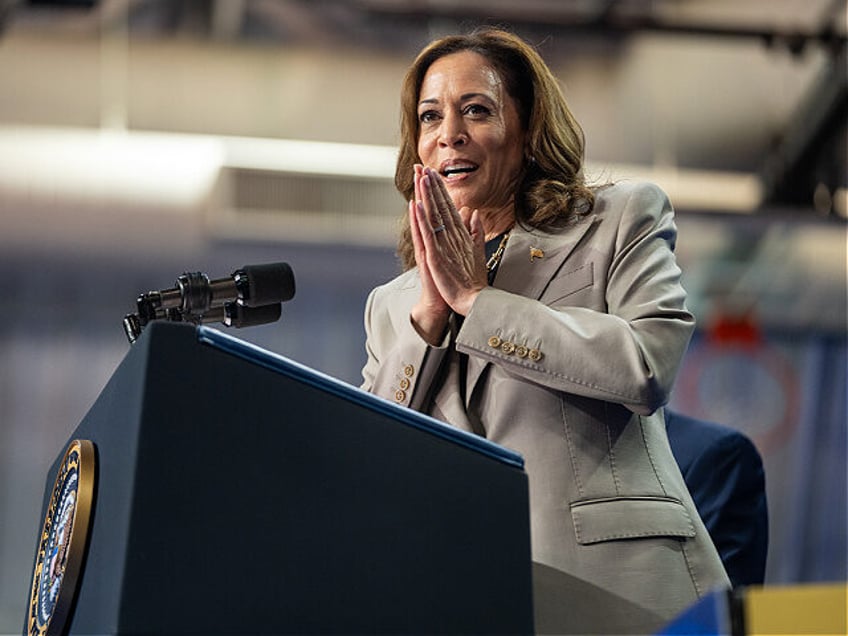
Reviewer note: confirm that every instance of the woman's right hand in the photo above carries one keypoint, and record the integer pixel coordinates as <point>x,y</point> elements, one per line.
<point>430,315</point>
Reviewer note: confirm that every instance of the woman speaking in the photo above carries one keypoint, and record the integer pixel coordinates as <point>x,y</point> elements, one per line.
<point>545,316</point>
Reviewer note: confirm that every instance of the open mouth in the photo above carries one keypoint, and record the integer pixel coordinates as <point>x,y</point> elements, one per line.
<point>453,171</point>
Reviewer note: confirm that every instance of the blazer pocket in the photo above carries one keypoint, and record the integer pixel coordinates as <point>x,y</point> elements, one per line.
<point>598,520</point>
<point>568,283</point>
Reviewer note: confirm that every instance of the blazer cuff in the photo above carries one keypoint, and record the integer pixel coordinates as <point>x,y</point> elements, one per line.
<point>416,367</point>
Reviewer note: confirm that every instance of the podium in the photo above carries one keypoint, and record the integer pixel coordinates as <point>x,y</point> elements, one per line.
<point>239,492</point>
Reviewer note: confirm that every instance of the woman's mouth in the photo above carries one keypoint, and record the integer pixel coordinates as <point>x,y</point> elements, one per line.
<point>457,170</point>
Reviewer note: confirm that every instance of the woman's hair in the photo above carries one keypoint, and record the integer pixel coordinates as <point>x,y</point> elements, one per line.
<point>553,186</point>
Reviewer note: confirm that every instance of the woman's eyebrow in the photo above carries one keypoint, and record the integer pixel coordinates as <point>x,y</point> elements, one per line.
<point>464,97</point>
<point>476,96</point>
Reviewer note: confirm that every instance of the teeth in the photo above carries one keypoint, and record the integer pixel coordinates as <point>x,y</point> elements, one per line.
<point>458,169</point>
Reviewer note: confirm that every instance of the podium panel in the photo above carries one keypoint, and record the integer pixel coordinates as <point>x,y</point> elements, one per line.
<point>239,492</point>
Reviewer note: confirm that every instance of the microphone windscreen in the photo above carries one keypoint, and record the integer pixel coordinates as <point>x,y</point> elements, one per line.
<point>269,283</point>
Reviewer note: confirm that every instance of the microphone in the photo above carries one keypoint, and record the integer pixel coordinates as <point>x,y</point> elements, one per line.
<point>195,294</point>
<point>251,295</point>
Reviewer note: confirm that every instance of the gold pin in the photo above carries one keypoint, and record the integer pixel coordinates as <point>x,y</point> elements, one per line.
<point>535,253</point>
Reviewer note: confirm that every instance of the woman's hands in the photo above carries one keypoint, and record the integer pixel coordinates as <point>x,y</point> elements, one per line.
<point>450,254</point>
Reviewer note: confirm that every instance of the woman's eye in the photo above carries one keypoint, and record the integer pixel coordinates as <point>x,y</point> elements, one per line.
<point>476,109</point>
<point>428,116</point>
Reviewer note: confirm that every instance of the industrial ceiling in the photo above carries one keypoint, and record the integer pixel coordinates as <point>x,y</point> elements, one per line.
<point>731,106</point>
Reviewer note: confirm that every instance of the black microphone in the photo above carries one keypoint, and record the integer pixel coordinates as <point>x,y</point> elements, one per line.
<point>195,294</point>
<point>252,295</point>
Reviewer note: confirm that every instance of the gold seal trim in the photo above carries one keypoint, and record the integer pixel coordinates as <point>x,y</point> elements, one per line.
<point>61,546</point>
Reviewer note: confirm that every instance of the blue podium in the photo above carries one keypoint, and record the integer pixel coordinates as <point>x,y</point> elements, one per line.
<point>239,492</point>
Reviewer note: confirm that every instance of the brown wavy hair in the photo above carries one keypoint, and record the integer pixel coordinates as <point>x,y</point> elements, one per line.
<point>553,187</point>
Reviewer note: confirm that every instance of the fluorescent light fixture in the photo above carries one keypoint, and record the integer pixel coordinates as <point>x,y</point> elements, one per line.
<point>166,170</point>
<point>702,190</point>
<point>180,170</point>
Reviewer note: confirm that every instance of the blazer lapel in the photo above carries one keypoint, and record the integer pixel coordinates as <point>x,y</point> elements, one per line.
<point>532,258</point>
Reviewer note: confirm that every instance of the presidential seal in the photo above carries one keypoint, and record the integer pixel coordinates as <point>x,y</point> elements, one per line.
<point>62,543</point>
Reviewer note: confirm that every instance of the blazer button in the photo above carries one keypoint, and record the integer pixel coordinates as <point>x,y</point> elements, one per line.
<point>400,396</point>
<point>508,348</point>
<point>404,383</point>
<point>408,370</point>
<point>521,351</point>
<point>495,342</point>
<point>534,354</point>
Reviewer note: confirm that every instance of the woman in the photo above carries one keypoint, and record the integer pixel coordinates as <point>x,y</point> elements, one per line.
<point>545,316</point>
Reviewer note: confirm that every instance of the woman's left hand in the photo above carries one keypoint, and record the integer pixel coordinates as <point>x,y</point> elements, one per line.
<point>454,244</point>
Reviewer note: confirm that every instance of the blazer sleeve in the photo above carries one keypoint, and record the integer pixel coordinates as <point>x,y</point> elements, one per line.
<point>400,365</point>
<point>627,344</point>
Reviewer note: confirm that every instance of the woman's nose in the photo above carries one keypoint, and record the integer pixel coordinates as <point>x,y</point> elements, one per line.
<point>453,131</point>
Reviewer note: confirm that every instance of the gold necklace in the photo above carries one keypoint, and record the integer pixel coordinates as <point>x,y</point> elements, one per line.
<point>495,258</point>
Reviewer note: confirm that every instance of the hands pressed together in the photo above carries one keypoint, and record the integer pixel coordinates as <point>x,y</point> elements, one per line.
<point>450,254</point>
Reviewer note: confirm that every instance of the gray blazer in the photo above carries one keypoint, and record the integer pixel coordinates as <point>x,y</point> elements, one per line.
<point>570,356</point>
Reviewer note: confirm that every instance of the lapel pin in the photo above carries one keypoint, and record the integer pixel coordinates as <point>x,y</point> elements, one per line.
<point>535,253</point>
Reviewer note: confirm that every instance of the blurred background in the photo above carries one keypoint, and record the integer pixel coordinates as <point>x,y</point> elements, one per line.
<point>140,139</point>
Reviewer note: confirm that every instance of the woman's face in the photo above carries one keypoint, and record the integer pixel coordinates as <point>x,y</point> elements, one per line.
<point>470,131</point>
